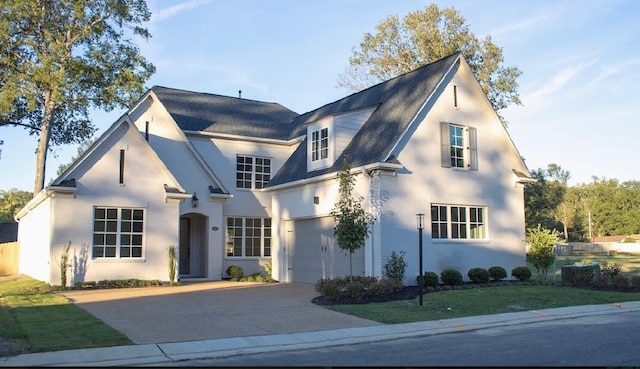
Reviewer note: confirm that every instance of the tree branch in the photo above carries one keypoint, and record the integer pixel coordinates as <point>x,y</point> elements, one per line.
<point>2,124</point>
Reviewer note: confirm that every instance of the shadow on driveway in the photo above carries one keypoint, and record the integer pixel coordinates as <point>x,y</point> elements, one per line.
<point>210,310</point>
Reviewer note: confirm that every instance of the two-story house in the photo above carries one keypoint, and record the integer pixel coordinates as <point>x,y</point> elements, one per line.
<point>232,181</point>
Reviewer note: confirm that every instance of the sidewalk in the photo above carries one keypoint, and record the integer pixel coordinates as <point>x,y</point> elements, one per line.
<point>166,353</point>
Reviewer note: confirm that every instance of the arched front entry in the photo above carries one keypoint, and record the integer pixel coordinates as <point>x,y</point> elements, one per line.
<point>193,246</point>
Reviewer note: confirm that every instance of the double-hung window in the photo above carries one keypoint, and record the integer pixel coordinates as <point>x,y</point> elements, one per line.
<point>459,146</point>
<point>248,237</point>
<point>252,172</point>
<point>118,232</point>
<point>458,222</point>
<point>320,144</point>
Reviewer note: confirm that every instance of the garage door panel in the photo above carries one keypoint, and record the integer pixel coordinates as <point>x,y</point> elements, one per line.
<point>314,253</point>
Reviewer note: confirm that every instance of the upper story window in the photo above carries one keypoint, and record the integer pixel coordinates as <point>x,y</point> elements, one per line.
<point>320,144</point>
<point>117,232</point>
<point>252,172</point>
<point>459,146</point>
<point>458,222</point>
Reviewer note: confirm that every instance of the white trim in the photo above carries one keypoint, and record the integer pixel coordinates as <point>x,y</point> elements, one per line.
<point>231,137</point>
<point>413,120</point>
<point>324,177</point>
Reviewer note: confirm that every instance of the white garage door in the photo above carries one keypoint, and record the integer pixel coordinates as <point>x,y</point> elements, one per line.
<point>314,253</point>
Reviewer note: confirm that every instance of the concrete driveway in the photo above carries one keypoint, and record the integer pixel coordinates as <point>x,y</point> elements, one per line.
<point>210,310</point>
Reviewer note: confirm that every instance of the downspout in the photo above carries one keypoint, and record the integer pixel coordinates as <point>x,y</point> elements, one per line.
<point>374,207</point>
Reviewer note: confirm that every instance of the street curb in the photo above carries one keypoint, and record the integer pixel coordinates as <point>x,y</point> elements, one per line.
<point>163,353</point>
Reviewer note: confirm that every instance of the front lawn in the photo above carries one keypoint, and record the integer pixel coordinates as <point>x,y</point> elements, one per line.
<point>41,320</point>
<point>481,301</point>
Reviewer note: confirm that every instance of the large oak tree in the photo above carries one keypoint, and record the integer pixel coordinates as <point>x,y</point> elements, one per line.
<point>422,37</point>
<point>61,58</point>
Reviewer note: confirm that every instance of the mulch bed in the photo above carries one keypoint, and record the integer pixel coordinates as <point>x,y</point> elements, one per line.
<point>406,293</point>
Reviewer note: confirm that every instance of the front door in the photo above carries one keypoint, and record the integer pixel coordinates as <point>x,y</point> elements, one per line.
<point>185,246</point>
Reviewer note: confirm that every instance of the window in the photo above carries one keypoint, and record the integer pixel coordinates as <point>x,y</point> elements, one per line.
<point>459,146</point>
<point>121,180</point>
<point>248,237</point>
<point>458,222</point>
<point>118,232</point>
<point>252,172</point>
<point>320,144</point>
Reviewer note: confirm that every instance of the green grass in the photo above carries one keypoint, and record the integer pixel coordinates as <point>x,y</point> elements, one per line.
<point>481,301</point>
<point>45,321</point>
<point>630,263</point>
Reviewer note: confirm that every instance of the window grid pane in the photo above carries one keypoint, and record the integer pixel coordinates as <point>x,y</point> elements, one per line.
<point>463,223</point>
<point>438,221</point>
<point>117,228</point>
<point>324,143</point>
<point>252,172</point>
<point>457,146</point>
<point>248,237</point>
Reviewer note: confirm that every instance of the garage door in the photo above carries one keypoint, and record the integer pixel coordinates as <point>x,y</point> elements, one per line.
<point>314,253</point>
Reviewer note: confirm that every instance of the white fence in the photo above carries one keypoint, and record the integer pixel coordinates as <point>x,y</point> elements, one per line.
<point>607,247</point>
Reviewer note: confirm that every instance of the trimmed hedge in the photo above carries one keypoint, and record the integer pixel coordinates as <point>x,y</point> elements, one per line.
<point>451,277</point>
<point>497,273</point>
<point>521,273</point>
<point>478,275</point>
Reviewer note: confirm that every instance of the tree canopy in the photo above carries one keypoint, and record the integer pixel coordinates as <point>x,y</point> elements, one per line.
<point>60,58</point>
<point>11,202</point>
<point>604,207</point>
<point>422,37</point>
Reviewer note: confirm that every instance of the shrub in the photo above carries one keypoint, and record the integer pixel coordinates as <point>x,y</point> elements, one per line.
<point>610,270</point>
<point>601,281</point>
<point>329,288</point>
<point>384,286</point>
<point>621,282</point>
<point>451,277</point>
<point>583,278</point>
<point>235,272</point>
<point>497,273</point>
<point>541,255</point>
<point>395,266</point>
<point>478,275</point>
<point>635,281</point>
<point>431,279</point>
<point>356,287</point>
<point>521,273</point>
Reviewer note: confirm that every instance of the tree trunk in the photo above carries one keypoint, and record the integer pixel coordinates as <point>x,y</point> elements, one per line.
<point>43,143</point>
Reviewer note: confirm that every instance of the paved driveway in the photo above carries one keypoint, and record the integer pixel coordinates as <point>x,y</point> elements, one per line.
<point>209,310</point>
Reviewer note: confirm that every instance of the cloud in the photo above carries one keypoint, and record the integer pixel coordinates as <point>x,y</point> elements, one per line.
<point>162,14</point>
<point>555,83</point>
<point>518,26</point>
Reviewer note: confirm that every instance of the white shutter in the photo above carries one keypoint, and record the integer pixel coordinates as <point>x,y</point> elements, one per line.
<point>445,142</point>
<point>473,148</point>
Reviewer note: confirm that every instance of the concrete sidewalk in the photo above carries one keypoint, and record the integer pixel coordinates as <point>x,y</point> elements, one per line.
<point>166,353</point>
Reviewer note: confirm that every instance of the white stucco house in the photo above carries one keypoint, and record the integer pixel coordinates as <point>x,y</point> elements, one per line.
<point>232,181</point>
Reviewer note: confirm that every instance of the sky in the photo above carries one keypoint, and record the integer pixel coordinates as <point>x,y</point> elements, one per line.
<point>579,59</point>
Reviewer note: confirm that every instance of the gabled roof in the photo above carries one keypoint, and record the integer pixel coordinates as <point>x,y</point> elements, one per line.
<point>66,182</point>
<point>398,101</point>
<point>194,111</point>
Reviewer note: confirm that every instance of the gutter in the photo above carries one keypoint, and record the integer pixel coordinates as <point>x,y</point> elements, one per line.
<point>362,169</point>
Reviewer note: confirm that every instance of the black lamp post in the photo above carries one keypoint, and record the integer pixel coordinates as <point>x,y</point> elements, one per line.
<point>420,221</point>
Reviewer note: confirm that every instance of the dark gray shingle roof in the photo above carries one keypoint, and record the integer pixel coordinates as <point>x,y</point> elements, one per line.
<point>398,100</point>
<point>195,111</point>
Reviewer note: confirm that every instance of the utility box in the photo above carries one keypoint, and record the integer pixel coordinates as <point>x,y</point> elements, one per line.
<point>569,272</point>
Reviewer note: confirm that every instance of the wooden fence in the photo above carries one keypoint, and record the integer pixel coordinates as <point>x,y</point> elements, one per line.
<point>9,258</point>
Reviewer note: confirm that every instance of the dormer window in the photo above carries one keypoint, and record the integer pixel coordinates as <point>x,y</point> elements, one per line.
<point>320,144</point>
